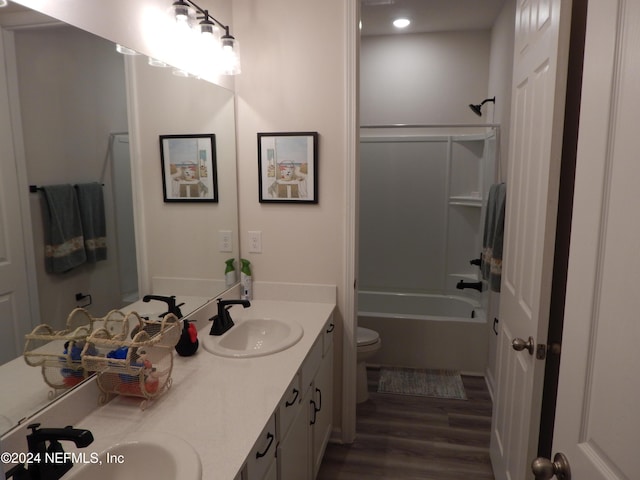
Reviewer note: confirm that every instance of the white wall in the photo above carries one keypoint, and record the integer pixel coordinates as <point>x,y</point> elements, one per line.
<point>72,96</point>
<point>172,250</point>
<point>293,79</point>
<point>500,73</point>
<point>428,78</point>
<point>500,79</point>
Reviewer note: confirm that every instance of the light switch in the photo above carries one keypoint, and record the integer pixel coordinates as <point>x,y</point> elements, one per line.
<point>225,244</point>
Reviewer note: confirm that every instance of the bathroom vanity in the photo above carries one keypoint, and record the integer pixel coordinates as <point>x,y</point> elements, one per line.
<point>262,417</point>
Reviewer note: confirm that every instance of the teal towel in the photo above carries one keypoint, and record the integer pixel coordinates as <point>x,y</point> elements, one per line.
<point>493,236</point>
<point>64,242</point>
<point>93,221</point>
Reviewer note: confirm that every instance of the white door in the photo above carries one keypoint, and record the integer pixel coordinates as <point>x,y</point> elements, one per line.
<point>537,112</point>
<point>15,313</point>
<point>597,421</point>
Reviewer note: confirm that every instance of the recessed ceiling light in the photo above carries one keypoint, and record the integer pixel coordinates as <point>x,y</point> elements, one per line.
<point>401,22</point>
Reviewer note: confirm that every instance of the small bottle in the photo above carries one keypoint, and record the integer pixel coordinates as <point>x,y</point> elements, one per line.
<point>230,273</point>
<point>245,280</point>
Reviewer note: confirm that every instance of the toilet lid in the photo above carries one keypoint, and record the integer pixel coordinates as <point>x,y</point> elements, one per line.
<point>367,336</point>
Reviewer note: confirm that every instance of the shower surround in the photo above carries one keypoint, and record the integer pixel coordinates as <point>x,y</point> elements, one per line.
<point>423,194</point>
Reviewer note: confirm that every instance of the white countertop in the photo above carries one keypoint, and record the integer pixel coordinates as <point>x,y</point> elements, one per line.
<point>219,405</point>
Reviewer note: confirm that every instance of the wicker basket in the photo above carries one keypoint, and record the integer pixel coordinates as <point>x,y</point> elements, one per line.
<point>138,367</point>
<point>58,353</point>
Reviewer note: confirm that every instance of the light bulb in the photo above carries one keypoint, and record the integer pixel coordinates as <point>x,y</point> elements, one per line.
<point>401,22</point>
<point>125,50</point>
<point>230,56</point>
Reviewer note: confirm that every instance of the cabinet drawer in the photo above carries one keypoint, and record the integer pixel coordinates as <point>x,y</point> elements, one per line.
<point>311,364</point>
<point>263,452</point>
<point>327,336</point>
<point>289,406</point>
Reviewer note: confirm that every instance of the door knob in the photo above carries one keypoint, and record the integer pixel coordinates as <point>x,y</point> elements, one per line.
<point>519,344</point>
<point>544,469</point>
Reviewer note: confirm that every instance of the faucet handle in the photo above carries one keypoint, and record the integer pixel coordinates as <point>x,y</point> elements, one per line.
<point>33,427</point>
<point>19,472</point>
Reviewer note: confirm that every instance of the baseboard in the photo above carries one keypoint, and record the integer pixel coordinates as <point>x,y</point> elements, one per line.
<point>336,436</point>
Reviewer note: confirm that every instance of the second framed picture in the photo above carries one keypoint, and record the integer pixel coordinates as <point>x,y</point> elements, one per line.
<point>189,168</point>
<point>288,167</point>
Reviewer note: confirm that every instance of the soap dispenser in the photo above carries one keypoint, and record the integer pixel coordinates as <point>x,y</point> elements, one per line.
<point>188,343</point>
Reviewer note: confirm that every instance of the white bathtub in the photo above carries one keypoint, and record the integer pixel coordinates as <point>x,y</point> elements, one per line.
<point>427,331</point>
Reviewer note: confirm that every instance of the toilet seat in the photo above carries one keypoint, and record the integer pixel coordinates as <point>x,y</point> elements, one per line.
<point>366,336</point>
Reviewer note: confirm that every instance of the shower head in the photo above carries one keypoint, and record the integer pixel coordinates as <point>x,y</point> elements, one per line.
<point>477,109</point>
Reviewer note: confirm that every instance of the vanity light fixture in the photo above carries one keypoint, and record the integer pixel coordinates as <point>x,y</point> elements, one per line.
<point>225,47</point>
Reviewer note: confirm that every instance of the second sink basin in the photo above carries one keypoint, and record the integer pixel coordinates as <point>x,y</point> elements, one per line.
<point>142,456</point>
<point>254,337</point>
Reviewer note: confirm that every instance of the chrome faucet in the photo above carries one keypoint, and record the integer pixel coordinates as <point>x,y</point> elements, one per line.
<point>48,462</point>
<point>222,321</point>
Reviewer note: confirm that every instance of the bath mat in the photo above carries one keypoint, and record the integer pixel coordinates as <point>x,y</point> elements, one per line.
<point>421,382</point>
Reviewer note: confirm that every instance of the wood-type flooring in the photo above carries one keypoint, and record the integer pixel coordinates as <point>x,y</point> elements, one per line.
<point>404,437</point>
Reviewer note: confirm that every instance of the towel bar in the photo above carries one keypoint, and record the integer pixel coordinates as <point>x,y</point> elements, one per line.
<point>35,188</point>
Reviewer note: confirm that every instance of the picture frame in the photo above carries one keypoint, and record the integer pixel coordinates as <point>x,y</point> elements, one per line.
<point>288,167</point>
<point>189,168</point>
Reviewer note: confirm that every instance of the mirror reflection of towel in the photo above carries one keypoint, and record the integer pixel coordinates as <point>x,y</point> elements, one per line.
<point>92,216</point>
<point>64,242</point>
<point>493,236</point>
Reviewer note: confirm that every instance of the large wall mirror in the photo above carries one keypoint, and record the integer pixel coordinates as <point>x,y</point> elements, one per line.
<point>73,110</point>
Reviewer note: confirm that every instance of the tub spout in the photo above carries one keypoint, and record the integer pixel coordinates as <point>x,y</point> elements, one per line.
<point>475,285</point>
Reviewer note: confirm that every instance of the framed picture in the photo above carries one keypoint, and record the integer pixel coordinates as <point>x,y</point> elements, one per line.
<point>189,168</point>
<point>288,167</point>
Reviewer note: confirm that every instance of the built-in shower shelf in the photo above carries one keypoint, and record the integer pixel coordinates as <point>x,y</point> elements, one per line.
<point>465,201</point>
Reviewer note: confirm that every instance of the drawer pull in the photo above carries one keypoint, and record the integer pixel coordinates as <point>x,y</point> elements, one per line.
<point>330,328</point>
<point>315,412</point>
<point>295,397</point>
<point>319,400</point>
<point>262,454</point>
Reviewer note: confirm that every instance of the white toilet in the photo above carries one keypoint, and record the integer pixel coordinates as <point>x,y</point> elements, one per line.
<point>368,344</point>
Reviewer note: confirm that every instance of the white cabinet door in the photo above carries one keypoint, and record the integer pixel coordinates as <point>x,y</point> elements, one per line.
<point>272,472</point>
<point>322,409</point>
<point>294,458</point>
<point>263,454</point>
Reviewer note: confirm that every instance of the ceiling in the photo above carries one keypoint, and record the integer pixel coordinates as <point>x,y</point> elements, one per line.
<point>428,15</point>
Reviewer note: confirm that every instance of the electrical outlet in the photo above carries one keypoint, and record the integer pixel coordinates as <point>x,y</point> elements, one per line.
<point>225,243</point>
<point>255,241</point>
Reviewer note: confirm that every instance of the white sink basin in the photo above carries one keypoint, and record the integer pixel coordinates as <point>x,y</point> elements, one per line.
<point>141,456</point>
<point>254,337</point>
